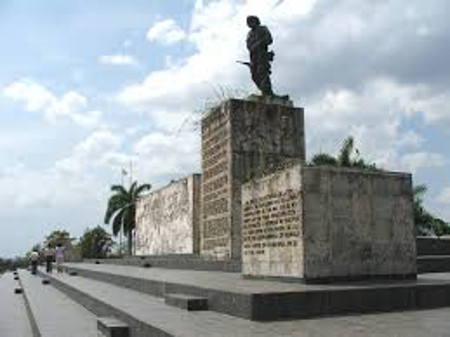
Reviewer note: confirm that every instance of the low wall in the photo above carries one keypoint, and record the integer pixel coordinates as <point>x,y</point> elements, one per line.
<point>167,220</point>
<point>433,246</point>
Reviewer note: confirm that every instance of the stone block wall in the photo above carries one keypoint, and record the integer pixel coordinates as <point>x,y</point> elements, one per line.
<point>241,139</point>
<point>329,223</point>
<point>167,220</point>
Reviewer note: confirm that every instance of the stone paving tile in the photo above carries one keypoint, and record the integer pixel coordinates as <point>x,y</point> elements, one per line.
<point>180,323</point>
<point>233,282</point>
<point>13,316</point>
<point>57,315</point>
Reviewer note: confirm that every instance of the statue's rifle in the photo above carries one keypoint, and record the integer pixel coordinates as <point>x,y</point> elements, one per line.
<point>248,64</point>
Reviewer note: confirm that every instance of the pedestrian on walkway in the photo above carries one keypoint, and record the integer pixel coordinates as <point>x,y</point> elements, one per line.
<point>49,254</point>
<point>59,256</point>
<point>34,259</point>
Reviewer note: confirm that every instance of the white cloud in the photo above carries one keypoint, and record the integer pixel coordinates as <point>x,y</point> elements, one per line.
<point>162,156</point>
<point>444,196</point>
<point>37,98</point>
<point>166,32</point>
<point>97,150</point>
<point>118,60</point>
<point>414,161</point>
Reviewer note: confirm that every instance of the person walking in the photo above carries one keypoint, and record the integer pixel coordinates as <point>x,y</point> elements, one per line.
<point>34,259</point>
<point>49,254</point>
<point>59,256</point>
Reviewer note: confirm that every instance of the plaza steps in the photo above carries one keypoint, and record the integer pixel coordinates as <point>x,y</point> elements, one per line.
<point>262,300</point>
<point>433,264</point>
<point>53,314</point>
<point>433,255</point>
<point>148,316</point>
<point>14,320</point>
<point>173,261</point>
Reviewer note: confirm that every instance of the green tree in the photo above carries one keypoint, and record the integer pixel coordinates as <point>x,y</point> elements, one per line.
<point>59,237</point>
<point>426,223</point>
<point>95,243</point>
<point>121,210</point>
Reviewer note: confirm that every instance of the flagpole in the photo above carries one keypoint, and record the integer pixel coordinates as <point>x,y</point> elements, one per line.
<point>131,172</point>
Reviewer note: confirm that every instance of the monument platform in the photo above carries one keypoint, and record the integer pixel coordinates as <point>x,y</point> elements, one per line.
<point>264,300</point>
<point>149,315</point>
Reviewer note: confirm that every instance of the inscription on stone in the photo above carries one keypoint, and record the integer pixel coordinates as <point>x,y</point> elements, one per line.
<point>271,221</point>
<point>216,181</point>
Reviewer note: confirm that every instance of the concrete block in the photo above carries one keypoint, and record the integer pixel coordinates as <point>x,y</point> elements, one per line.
<point>187,302</point>
<point>112,327</point>
<point>346,223</point>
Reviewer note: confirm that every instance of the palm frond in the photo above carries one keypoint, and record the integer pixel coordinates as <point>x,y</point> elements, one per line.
<point>119,189</point>
<point>132,188</point>
<point>115,203</point>
<point>142,188</point>
<point>117,222</point>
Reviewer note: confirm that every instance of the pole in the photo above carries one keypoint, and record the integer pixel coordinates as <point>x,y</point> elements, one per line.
<point>131,172</point>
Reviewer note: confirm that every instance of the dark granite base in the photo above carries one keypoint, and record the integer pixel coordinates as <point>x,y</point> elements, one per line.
<point>173,261</point>
<point>260,301</point>
<point>336,279</point>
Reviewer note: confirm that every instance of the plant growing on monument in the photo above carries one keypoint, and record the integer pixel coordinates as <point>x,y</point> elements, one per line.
<point>348,157</point>
<point>121,209</point>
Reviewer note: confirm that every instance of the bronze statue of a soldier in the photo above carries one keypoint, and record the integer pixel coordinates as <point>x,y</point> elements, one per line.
<point>258,41</point>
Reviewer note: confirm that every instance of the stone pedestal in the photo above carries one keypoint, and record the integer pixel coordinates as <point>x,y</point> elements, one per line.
<point>325,224</point>
<point>241,140</point>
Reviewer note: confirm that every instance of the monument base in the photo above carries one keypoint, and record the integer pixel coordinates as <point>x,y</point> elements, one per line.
<point>324,223</point>
<point>277,100</point>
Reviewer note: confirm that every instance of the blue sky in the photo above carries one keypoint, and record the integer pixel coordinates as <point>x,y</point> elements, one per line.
<point>88,86</point>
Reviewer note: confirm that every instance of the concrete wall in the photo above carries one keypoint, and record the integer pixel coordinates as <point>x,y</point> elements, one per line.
<point>348,223</point>
<point>357,223</point>
<point>272,227</point>
<point>167,219</point>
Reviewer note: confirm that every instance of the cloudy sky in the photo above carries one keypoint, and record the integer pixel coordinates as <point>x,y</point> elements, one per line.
<point>86,86</point>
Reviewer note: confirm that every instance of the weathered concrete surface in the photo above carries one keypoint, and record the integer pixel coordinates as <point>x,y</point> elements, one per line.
<point>240,140</point>
<point>329,223</point>
<point>13,315</point>
<point>167,220</point>
<point>272,227</point>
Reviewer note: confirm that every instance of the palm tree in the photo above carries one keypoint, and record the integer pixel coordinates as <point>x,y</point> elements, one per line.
<point>121,210</point>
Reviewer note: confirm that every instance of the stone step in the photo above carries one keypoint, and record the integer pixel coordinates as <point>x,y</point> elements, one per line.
<point>433,246</point>
<point>53,313</point>
<point>433,264</point>
<point>149,316</point>
<point>186,302</point>
<point>173,261</point>
<point>13,313</point>
<point>112,327</point>
<point>263,300</point>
